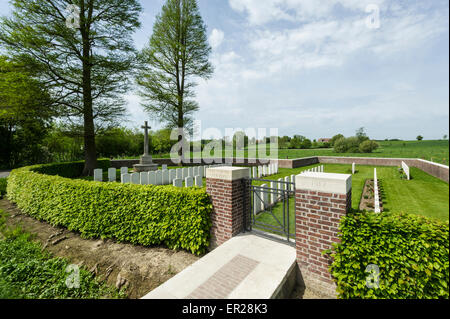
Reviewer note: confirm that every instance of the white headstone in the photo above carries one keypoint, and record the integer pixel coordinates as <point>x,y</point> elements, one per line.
<point>164,166</point>
<point>98,175</point>
<point>255,173</point>
<point>264,169</point>
<point>135,178</point>
<point>172,175</point>
<point>353,168</point>
<point>152,177</point>
<point>112,174</point>
<point>123,170</point>
<point>260,171</point>
<point>185,173</point>
<point>165,177</point>
<point>188,181</point>
<point>178,182</point>
<point>287,180</point>
<point>406,170</point>
<point>281,184</point>
<point>144,178</point>
<point>158,177</point>
<point>273,192</point>
<point>198,181</point>
<point>375,190</point>
<point>125,178</point>
<point>195,172</point>
<point>179,173</point>
<point>190,171</point>
<point>264,196</point>
<point>293,179</point>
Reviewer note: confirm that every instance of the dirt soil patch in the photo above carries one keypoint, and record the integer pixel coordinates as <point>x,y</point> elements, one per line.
<point>139,269</point>
<point>368,196</point>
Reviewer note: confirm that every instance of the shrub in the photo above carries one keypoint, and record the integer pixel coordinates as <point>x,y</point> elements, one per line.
<point>138,214</point>
<point>68,169</point>
<point>368,146</point>
<point>2,187</point>
<point>412,253</point>
<point>347,145</point>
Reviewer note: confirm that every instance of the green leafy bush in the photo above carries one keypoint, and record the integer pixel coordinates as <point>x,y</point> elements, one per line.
<point>412,253</point>
<point>68,169</point>
<point>2,187</point>
<point>368,146</point>
<point>26,271</point>
<point>347,145</point>
<point>138,214</point>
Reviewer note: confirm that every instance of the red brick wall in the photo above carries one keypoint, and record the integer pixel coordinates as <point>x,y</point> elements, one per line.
<point>317,218</point>
<point>230,200</point>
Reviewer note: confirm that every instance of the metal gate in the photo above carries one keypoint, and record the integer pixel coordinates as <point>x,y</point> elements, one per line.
<point>272,208</point>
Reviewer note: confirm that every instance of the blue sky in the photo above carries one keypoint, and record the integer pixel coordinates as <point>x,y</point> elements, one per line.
<point>316,68</point>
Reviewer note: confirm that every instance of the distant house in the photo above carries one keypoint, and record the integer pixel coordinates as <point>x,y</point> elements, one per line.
<point>324,140</point>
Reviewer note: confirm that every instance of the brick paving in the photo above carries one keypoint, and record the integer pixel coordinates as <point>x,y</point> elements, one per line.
<point>225,280</point>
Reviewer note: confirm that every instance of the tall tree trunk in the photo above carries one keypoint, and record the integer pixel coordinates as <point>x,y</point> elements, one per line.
<point>90,152</point>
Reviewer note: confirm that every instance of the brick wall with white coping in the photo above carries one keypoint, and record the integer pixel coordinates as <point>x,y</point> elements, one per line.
<point>321,200</point>
<point>229,192</point>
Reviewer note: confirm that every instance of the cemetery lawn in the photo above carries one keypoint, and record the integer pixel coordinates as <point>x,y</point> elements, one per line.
<point>422,195</point>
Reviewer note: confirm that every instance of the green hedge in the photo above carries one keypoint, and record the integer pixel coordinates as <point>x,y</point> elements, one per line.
<point>138,214</point>
<point>411,252</point>
<point>68,169</point>
<point>2,187</point>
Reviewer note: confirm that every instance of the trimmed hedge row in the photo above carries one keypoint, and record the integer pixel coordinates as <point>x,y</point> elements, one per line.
<point>411,253</point>
<point>138,214</point>
<point>67,169</point>
<point>2,187</point>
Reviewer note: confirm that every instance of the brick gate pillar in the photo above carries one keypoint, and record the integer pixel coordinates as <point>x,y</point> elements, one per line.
<point>321,200</point>
<point>230,195</point>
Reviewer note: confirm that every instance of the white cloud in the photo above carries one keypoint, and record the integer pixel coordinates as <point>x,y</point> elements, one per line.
<point>216,38</point>
<point>260,12</point>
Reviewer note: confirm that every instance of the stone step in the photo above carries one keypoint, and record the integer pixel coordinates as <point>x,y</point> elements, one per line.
<point>245,267</point>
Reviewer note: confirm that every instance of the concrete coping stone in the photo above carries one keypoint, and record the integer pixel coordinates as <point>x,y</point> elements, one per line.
<point>324,182</point>
<point>228,173</point>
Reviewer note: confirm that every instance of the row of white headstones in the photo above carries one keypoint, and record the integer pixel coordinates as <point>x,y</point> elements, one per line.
<point>268,196</point>
<point>189,175</point>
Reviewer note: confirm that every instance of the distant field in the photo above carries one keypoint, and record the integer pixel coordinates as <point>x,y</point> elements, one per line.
<point>433,150</point>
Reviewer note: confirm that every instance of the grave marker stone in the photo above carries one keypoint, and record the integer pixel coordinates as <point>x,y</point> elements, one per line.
<point>152,177</point>
<point>158,177</point>
<point>198,181</point>
<point>144,178</point>
<point>135,178</point>
<point>125,178</point>
<point>178,182</point>
<point>123,170</point>
<point>165,177</point>
<point>112,174</point>
<point>353,168</point>
<point>188,181</point>
<point>98,175</point>
<point>172,175</point>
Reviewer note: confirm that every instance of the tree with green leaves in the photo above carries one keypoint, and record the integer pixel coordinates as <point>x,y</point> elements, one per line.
<point>177,55</point>
<point>25,114</point>
<point>83,51</point>
<point>419,137</point>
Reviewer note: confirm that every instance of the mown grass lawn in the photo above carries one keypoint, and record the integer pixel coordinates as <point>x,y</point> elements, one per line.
<point>422,195</point>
